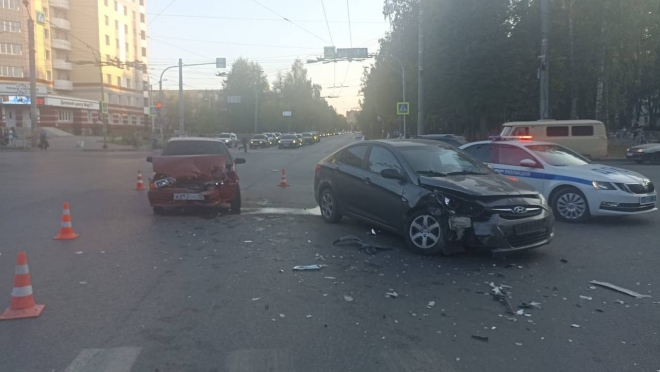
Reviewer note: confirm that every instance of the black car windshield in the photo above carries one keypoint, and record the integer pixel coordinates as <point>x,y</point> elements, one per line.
<point>225,135</point>
<point>259,136</point>
<point>441,161</point>
<point>306,134</point>
<point>183,148</point>
<point>290,136</point>
<point>558,156</point>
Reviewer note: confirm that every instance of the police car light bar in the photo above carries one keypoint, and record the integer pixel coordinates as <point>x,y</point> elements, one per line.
<point>511,138</point>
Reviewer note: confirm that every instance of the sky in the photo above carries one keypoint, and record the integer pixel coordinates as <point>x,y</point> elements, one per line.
<point>255,29</point>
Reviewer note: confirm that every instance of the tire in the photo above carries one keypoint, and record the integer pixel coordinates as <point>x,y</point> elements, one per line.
<point>235,205</point>
<point>655,158</point>
<point>425,234</point>
<point>159,211</point>
<point>329,206</point>
<point>570,205</point>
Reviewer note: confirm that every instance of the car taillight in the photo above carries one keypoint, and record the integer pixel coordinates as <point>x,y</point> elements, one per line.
<point>318,167</point>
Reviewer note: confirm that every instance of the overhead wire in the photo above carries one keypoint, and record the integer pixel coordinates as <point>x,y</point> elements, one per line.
<point>350,29</point>
<point>259,19</point>
<point>161,12</point>
<point>327,23</point>
<point>232,43</point>
<point>288,20</point>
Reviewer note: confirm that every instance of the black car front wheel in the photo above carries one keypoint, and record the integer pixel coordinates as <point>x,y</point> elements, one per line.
<point>329,206</point>
<point>425,234</point>
<point>235,205</point>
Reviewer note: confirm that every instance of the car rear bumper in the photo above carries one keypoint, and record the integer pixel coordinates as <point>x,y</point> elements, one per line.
<point>502,236</point>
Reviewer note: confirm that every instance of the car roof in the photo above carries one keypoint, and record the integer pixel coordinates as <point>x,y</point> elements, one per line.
<point>513,142</point>
<point>179,139</point>
<point>551,122</point>
<point>407,143</point>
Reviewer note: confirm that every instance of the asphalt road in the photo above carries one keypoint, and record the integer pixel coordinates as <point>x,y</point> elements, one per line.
<point>138,292</point>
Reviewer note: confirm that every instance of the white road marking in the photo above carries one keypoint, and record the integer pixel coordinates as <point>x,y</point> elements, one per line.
<point>119,359</point>
<point>260,360</point>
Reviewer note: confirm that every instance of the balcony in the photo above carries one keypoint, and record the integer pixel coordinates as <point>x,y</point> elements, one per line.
<point>60,23</point>
<point>61,64</point>
<point>63,85</point>
<point>60,44</point>
<point>61,4</point>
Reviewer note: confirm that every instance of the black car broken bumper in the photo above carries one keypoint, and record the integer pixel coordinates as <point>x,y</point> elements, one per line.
<point>503,236</point>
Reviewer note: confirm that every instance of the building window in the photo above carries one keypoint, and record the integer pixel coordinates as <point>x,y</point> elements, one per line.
<point>143,34</point>
<point>125,119</point>
<point>46,12</point>
<point>46,34</point>
<point>130,119</point>
<point>90,117</point>
<point>108,58</point>
<point>107,19</point>
<point>126,47</point>
<point>125,11</point>
<point>47,54</point>
<point>116,25</point>
<point>144,52</point>
<point>6,48</point>
<point>105,2</point>
<point>126,29</point>
<point>66,116</point>
<point>110,121</point>
<point>117,118</point>
<point>142,17</point>
<point>10,4</point>
<point>141,2</point>
<point>11,71</point>
<point>128,83</point>
<point>117,42</point>
<point>116,5</point>
<point>134,16</point>
<point>11,26</point>
<point>118,81</point>
<point>108,79</point>
<point>49,76</point>
<point>139,120</point>
<point>107,40</point>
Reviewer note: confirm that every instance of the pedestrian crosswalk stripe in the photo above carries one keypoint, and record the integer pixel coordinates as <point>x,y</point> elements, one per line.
<point>119,359</point>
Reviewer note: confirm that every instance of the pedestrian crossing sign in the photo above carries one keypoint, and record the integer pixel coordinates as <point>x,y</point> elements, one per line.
<point>403,108</point>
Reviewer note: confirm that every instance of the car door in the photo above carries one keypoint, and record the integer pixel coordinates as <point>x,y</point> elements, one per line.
<point>348,177</point>
<point>508,158</point>
<point>381,201</point>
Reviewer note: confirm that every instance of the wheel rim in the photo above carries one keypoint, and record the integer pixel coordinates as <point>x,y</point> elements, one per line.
<point>571,206</point>
<point>424,231</point>
<point>327,205</point>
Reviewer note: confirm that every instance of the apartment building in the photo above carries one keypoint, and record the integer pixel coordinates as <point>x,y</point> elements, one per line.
<point>87,51</point>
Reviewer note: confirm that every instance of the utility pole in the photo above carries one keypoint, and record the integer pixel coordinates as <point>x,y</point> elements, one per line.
<point>544,68</point>
<point>181,128</point>
<point>256,108</point>
<point>420,73</point>
<point>403,87</point>
<point>34,120</point>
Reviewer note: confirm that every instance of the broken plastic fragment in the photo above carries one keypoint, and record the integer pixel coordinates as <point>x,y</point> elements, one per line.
<point>79,252</point>
<point>619,289</point>
<point>282,316</point>
<point>431,304</point>
<point>575,325</point>
<point>308,267</point>
<point>480,338</point>
<point>520,312</point>
<point>586,298</point>
<point>391,295</point>
<point>256,299</point>
<point>348,298</point>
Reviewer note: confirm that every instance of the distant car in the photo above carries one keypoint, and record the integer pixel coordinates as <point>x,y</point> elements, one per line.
<point>289,141</point>
<point>278,135</point>
<point>300,138</point>
<point>437,196</point>
<point>359,136</point>
<point>450,139</point>
<point>230,139</point>
<point>316,136</point>
<point>194,172</point>
<point>308,138</point>
<point>259,141</point>
<point>575,187</point>
<point>272,140</point>
<point>648,152</point>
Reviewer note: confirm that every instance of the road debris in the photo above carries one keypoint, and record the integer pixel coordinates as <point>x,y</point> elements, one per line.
<point>309,316</point>
<point>499,293</point>
<point>600,310</point>
<point>282,316</point>
<point>308,267</point>
<point>79,252</point>
<point>619,302</point>
<point>83,283</point>
<point>563,260</point>
<point>480,338</point>
<point>372,232</point>
<point>431,304</point>
<point>330,277</point>
<point>518,344</point>
<point>531,305</point>
<point>391,294</point>
<point>348,298</point>
<point>247,241</point>
<point>370,249</point>
<point>586,298</point>
<point>256,299</point>
<point>619,289</point>
<point>575,326</point>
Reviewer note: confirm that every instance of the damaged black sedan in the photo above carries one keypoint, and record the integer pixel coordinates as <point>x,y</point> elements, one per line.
<point>440,199</point>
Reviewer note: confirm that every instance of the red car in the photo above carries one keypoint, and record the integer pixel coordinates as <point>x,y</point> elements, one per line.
<point>194,172</point>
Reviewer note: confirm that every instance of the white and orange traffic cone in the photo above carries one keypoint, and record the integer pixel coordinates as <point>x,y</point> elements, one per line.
<point>283,182</point>
<point>22,299</point>
<point>140,183</point>
<point>66,229</point>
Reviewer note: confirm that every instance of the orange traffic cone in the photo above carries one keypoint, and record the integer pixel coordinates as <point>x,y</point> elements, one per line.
<point>22,298</point>
<point>140,184</point>
<point>283,183</point>
<point>66,229</point>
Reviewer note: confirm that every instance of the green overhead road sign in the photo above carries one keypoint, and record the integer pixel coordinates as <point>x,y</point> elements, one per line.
<point>403,108</point>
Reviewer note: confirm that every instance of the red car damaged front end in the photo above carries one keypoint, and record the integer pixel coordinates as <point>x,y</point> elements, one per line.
<point>192,181</point>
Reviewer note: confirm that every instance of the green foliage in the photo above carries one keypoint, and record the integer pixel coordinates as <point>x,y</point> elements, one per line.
<point>481,60</point>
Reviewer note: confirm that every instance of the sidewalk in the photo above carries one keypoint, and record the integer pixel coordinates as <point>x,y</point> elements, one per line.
<point>85,143</point>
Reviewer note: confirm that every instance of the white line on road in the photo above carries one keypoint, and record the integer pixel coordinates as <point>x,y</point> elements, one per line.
<point>119,359</point>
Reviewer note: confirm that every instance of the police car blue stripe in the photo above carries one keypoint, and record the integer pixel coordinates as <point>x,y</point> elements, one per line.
<point>541,176</point>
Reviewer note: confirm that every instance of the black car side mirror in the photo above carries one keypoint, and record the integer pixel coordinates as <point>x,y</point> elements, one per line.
<point>392,174</point>
<point>150,159</point>
<point>239,161</point>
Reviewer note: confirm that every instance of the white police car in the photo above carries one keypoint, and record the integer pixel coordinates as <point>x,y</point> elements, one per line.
<point>575,187</point>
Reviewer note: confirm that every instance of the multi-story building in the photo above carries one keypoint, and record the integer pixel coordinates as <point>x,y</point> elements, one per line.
<point>87,52</point>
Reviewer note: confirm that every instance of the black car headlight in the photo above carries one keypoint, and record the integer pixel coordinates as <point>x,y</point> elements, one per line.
<point>459,206</point>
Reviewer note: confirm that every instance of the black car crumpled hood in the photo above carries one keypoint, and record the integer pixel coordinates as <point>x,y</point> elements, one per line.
<point>480,185</point>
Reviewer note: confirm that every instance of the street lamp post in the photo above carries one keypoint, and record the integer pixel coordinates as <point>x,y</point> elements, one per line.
<point>403,83</point>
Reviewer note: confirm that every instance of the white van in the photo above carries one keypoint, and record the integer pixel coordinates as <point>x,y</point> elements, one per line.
<point>587,137</point>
